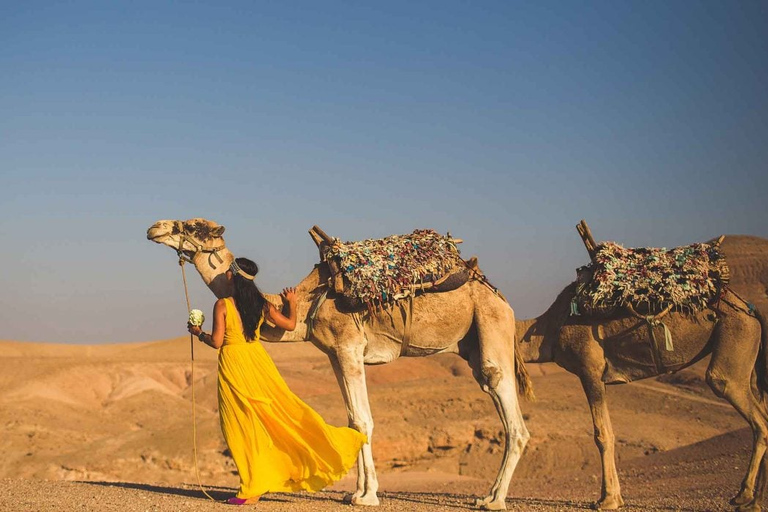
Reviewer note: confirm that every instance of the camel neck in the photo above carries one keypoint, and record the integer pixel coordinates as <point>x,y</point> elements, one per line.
<point>537,336</point>
<point>213,271</point>
<point>305,294</point>
<point>531,336</point>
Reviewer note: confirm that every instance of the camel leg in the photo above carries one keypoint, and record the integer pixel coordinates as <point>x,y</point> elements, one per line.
<point>747,405</point>
<point>350,373</point>
<point>493,369</point>
<point>610,493</point>
<point>515,438</point>
<point>759,491</point>
<point>729,375</point>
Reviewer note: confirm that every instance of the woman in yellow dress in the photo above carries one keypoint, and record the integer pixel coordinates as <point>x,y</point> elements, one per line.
<point>278,443</point>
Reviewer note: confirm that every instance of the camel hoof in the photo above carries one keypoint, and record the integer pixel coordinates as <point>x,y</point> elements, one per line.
<point>480,502</point>
<point>609,503</point>
<point>749,507</point>
<point>490,504</point>
<point>743,498</point>
<point>370,500</point>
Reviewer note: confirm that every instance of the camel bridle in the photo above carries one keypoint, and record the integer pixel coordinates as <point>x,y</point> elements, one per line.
<point>199,247</point>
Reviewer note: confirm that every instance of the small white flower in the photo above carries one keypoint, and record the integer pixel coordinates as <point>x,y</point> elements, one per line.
<point>196,317</point>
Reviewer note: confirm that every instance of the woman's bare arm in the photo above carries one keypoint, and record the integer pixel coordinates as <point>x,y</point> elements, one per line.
<point>219,324</point>
<point>216,338</point>
<point>278,318</point>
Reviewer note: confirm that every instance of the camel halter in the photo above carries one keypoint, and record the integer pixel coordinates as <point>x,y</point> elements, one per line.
<point>198,249</point>
<point>182,260</point>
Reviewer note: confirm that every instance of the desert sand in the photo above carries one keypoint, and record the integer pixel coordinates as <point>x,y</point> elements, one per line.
<point>110,427</point>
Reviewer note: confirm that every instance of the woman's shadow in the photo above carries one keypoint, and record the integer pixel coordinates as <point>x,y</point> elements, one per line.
<point>215,492</point>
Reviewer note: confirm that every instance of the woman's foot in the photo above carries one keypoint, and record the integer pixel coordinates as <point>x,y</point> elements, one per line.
<point>234,500</point>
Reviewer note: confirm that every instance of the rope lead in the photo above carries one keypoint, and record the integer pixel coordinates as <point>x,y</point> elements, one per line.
<point>192,364</point>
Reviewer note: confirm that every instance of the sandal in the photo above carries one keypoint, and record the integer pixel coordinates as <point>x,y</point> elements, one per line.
<point>234,500</point>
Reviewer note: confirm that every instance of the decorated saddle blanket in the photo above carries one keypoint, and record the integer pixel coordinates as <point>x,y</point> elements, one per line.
<point>686,278</point>
<point>377,272</point>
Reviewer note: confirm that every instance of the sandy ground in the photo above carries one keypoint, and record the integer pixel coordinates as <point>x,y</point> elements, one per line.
<point>699,477</point>
<point>110,428</point>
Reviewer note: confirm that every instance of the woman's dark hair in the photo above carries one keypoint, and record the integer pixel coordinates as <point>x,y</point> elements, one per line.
<point>248,299</point>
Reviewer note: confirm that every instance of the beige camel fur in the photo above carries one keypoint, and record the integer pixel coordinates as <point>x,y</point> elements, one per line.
<point>471,321</point>
<point>734,337</point>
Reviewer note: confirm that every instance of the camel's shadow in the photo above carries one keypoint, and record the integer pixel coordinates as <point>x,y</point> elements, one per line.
<point>437,499</point>
<point>467,501</point>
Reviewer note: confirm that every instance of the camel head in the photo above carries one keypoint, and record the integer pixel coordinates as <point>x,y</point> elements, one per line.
<point>189,236</point>
<point>198,241</point>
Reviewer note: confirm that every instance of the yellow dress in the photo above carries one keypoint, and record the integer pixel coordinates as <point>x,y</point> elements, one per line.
<point>278,443</point>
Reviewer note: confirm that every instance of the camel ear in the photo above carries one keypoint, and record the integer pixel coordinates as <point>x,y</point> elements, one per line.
<point>217,231</point>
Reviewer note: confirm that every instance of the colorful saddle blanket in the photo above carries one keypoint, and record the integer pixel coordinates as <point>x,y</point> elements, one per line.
<point>687,278</point>
<point>377,271</point>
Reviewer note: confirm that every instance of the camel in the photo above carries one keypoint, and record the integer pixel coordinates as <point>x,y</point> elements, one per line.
<point>472,321</point>
<point>734,334</point>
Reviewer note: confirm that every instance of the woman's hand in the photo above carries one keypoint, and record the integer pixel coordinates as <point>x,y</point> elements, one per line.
<point>285,319</point>
<point>194,330</point>
<point>289,295</point>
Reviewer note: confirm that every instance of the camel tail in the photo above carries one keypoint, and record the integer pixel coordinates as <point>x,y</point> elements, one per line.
<point>524,383</point>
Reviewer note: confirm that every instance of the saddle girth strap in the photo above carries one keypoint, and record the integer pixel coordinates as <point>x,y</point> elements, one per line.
<point>407,324</point>
<point>654,321</point>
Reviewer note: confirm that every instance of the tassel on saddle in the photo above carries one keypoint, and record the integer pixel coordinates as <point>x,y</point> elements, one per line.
<point>655,321</point>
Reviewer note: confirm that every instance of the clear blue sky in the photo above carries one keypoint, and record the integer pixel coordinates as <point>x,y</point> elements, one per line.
<point>504,123</point>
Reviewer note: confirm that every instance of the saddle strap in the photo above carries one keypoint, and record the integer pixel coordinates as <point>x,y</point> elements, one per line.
<point>654,321</point>
<point>407,324</point>
<point>745,307</point>
<point>313,313</point>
